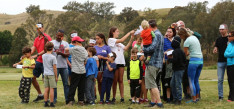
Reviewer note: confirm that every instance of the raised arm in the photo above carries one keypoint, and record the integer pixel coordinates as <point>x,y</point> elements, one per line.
<point>129,43</point>
<point>125,37</point>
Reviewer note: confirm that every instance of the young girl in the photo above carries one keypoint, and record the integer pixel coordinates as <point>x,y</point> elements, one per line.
<point>117,47</point>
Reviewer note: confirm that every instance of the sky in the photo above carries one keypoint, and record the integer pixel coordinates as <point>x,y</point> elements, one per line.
<point>13,7</point>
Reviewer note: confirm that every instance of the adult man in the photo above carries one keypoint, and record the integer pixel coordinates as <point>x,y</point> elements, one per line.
<point>155,65</point>
<point>38,45</point>
<point>59,53</point>
<point>220,47</point>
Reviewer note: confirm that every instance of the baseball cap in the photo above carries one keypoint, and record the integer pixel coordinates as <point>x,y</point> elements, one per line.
<point>222,26</point>
<point>91,41</point>
<point>77,38</point>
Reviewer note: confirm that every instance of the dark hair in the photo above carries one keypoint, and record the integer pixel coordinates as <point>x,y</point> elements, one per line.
<point>102,36</point>
<point>26,50</point>
<point>183,32</point>
<point>49,46</point>
<point>41,24</point>
<point>112,30</point>
<point>134,50</point>
<point>152,23</point>
<point>61,31</point>
<point>114,55</point>
<point>232,33</point>
<point>173,30</point>
<point>92,50</point>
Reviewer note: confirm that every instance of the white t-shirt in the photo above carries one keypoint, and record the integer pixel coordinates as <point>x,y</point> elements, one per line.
<point>118,48</point>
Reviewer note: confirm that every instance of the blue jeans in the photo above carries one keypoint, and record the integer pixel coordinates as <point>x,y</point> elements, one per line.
<point>64,75</point>
<point>106,88</point>
<point>220,72</point>
<point>176,84</point>
<point>194,71</point>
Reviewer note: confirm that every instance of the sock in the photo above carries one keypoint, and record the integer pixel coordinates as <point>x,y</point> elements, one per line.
<point>133,101</point>
<point>40,94</point>
<point>168,99</point>
<point>159,104</point>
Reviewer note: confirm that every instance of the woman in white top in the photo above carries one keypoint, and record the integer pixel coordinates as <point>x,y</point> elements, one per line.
<point>117,47</point>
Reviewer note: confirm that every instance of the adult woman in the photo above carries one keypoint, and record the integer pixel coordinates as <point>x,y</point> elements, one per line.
<point>117,47</point>
<point>167,74</point>
<point>229,54</point>
<point>192,48</point>
<point>102,52</point>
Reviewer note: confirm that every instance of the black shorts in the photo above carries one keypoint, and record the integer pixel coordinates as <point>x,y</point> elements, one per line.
<point>119,65</point>
<point>38,70</point>
<point>167,82</point>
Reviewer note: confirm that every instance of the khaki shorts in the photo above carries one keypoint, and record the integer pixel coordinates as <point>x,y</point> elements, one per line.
<point>49,81</point>
<point>151,74</point>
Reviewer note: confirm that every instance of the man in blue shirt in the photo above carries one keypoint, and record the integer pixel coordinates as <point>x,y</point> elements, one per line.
<point>155,65</point>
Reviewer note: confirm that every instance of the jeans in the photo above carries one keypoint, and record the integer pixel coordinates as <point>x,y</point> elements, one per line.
<point>176,81</point>
<point>194,71</point>
<point>89,89</point>
<point>64,75</point>
<point>220,72</point>
<point>106,88</point>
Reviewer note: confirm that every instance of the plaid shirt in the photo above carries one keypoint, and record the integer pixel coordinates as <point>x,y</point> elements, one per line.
<point>157,49</point>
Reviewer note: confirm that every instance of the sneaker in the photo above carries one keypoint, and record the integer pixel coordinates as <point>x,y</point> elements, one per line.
<point>146,100</point>
<point>220,98</point>
<point>52,104</point>
<point>70,103</point>
<point>191,101</point>
<point>24,102</point>
<point>160,105</point>
<point>113,100</point>
<point>130,99</point>
<point>177,102</point>
<point>38,98</point>
<point>101,102</point>
<point>46,104</point>
<point>138,102</point>
<point>91,103</point>
<point>122,100</point>
<point>151,105</point>
<point>133,102</point>
<point>108,102</point>
<point>81,103</point>
<point>229,100</point>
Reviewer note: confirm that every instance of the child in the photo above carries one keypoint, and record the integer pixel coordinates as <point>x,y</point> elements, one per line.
<point>108,76</point>
<point>134,76</point>
<point>79,56</point>
<point>147,36</point>
<point>27,72</point>
<point>178,61</point>
<point>50,74</point>
<point>91,75</point>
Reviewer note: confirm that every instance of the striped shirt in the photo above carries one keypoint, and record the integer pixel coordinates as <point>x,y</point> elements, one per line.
<point>79,56</point>
<point>157,48</point>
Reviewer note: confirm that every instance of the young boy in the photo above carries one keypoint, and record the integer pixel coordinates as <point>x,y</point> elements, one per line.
<point>147,36</point>
<point>79,56</point>
<point>27,72</point>
<point>108,76</point>
<point>50,74</point>
<point>91,75</point>
<point>178,61</point>
<point>134,76</point>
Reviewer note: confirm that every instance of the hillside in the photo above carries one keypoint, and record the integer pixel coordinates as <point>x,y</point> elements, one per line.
<point>16,20</point>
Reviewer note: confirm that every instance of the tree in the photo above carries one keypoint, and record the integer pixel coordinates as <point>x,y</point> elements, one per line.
<point>19,41</point>
<point>5,42</point>
<point>35,16</point>
<point>127,15</point>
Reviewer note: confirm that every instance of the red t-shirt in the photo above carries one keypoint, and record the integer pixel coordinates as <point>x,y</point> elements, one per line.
<point>146,36</point>
<point>39,44</point>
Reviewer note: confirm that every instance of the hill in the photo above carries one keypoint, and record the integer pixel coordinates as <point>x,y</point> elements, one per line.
<point>11,22</point>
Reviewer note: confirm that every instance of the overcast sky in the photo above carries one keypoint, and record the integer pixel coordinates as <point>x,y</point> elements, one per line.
<point>18,6</point>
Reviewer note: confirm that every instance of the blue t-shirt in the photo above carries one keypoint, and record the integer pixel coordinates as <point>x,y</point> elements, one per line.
<point>107,73</point>
<point>167,45</point>
<point>70,46</point>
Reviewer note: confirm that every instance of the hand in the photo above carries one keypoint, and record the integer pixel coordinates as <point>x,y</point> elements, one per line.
<point>107,63</point>
<point>56,79</point>
<point>128,81</point>
<point>215,50</point>
<point>95,79</point>
<point>58,52</point>
<point>25,67</point>
<point>33,57</point>
<point>14,65</point>
<point>140,81</point>
<point>22,57</point>
<point>132,32</point>
<point>69,64</point>
<point>100,57</point>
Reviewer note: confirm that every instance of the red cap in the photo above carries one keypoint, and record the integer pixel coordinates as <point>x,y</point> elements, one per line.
<point>77,38</point>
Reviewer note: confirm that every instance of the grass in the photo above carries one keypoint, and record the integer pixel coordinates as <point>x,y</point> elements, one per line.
<point>9,98</point>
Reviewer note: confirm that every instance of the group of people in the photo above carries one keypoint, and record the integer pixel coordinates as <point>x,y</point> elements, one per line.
<point>156,60</point>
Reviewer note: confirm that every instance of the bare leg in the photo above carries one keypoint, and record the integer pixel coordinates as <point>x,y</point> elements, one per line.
<point>114,87</point>
<point>121,85</point>
<point>36,85</point>
<point>46,94</point>
<point>99,79</point>
<point>155,94</point>
<point>51,95</point>
<point>168,92</point>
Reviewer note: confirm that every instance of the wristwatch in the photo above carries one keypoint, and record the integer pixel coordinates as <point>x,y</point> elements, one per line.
<point>37,54</point>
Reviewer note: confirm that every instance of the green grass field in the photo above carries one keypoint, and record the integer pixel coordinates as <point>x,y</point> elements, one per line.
<point>9,99</point>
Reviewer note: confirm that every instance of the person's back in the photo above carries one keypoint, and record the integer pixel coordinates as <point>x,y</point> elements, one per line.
<point>146,36</point>
<point>48,62</point>
<point>194,47</point>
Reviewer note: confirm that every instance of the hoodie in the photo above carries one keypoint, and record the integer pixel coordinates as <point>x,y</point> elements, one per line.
<point>179,60</point>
